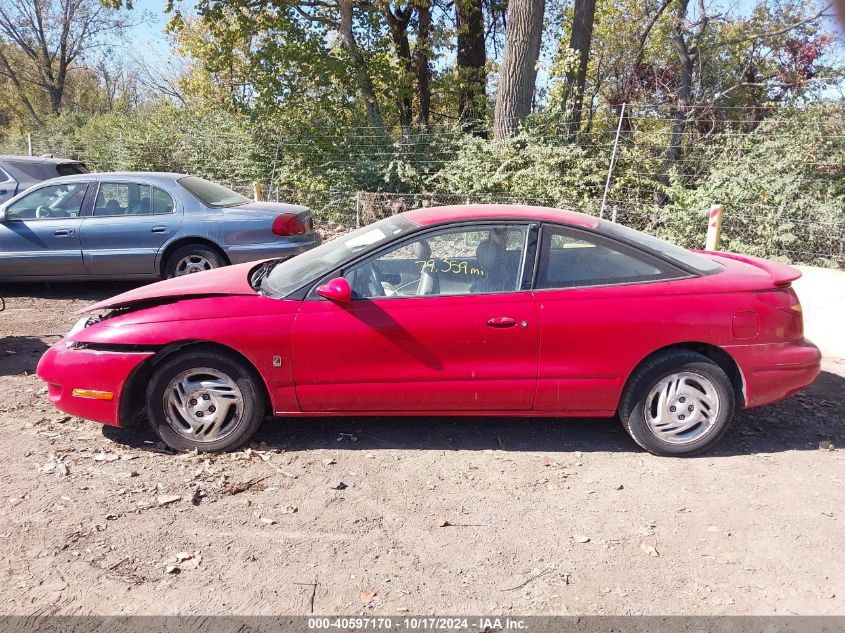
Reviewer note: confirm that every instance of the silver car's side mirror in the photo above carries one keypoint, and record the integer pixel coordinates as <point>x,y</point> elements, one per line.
<point>2,214</point>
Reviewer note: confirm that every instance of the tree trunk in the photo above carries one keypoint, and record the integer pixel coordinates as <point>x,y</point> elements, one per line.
<point>398,24</point>
<point>580,41</point>
<point>359,66</point>
<point>421,61</point>
<point>686,66</point>
<point>471,62</point>
<point>519,66</point>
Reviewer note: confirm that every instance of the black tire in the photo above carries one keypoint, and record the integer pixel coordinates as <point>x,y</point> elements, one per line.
<point>238,430</point>
<point>206,253</point>
<point>632,407</point>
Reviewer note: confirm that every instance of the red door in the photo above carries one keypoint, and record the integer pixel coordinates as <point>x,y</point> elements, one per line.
<point>430,353</point>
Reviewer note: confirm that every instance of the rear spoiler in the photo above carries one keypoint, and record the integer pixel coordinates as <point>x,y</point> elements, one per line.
<point>782,274</point>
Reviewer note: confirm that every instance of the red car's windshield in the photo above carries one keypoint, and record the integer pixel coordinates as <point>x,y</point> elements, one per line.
<point>293,273</point>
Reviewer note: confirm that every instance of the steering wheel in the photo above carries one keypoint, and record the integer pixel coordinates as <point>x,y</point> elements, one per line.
<point>374,283</point>
<point>42,212</point>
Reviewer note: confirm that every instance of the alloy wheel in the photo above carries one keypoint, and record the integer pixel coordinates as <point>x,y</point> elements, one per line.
<point>203,404</point>
<point>682,407</point>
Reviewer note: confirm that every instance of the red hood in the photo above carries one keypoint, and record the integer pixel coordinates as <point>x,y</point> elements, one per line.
<point>229,280</point>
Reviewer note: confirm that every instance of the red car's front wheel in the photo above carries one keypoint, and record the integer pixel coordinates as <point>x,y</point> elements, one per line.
<point>677,403</point>
<point>205,399</point>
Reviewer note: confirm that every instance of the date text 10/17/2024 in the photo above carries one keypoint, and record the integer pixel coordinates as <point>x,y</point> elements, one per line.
<point>418,623</point>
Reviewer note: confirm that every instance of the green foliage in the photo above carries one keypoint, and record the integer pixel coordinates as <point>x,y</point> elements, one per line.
<point>782,183</point>
<point>783,188</point>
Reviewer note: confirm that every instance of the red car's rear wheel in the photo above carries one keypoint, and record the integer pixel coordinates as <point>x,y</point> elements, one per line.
<point>206,400</point>
<point>677,403</point>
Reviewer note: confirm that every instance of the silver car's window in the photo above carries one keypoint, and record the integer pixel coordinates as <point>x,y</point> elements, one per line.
<point>212,194</point>
<point>456,261</point>
<point>55,201</point>
<point>119,198</point>
<point>292,274</point>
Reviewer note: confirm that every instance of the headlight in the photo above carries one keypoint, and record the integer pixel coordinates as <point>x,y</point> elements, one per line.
<point>80,325</point>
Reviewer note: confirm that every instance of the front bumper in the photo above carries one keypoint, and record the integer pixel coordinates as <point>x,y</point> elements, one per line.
<point>239,254</point>
<point>776,370</point>
<point>104,372</point>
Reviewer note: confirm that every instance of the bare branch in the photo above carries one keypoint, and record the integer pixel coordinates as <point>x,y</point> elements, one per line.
<point>767,34</point>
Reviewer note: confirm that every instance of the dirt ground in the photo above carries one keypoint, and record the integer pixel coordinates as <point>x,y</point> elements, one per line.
<point>471,516</point>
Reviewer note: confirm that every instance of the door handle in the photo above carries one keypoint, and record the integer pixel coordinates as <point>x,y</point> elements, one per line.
<point>158,229</point>
<point>63,233</point>
<point>501,322</point>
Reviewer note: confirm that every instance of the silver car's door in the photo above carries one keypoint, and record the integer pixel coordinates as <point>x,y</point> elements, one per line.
<point>39,236</point>
<point>8,186</point>
<point>129,224</point>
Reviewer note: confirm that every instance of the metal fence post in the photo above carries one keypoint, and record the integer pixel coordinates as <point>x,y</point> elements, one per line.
<point>714,228</point>
<point>357,209</point>
<point>612,160</point>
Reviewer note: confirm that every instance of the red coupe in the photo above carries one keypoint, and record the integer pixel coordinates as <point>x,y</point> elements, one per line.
<point>464,310</point>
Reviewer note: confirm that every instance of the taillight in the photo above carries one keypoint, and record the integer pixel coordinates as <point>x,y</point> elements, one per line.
<point>289,224</point>
<point>786,302</point>
<point>783,298</point>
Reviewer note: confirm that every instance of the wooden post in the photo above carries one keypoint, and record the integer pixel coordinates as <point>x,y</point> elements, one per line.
<point>714,228</point>
<point>256,188</point>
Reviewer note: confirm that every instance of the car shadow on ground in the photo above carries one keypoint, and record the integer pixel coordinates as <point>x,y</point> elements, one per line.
<point>20,354</point>
<point>86,290</point>
<point>798,423</point>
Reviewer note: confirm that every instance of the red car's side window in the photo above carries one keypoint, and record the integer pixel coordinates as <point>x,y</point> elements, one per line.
<point>569,259</point>
<point>456,261</point>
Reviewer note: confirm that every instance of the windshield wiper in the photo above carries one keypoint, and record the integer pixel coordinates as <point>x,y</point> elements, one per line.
<point>261,272</point>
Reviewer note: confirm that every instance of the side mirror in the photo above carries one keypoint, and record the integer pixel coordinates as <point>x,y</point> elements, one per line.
<point>336,290</point>
<point>2,214</point>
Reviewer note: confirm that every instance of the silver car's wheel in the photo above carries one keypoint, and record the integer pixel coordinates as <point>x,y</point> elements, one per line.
<point>682,408</point>
<point>192,264</point>
<point>203,404</point>
<point>190,259</point>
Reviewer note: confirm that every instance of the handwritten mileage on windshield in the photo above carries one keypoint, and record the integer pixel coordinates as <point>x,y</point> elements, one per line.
<point>448,266</point>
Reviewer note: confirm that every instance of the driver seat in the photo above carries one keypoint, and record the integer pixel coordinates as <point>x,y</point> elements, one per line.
<point>429,283</point>
<point>492,258</point>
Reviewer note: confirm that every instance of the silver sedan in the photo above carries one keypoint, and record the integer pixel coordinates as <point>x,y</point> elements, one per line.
<point>141,225</point>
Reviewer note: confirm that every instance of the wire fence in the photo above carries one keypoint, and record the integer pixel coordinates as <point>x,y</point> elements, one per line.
<point>780,173</point>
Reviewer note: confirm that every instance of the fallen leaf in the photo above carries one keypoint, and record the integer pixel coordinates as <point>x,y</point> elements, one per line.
<point>192,563</point>
<point>649,549</point>
<point>164,500</point>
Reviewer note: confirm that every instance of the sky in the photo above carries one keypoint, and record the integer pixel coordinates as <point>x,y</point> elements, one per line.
<point>148,36</point>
